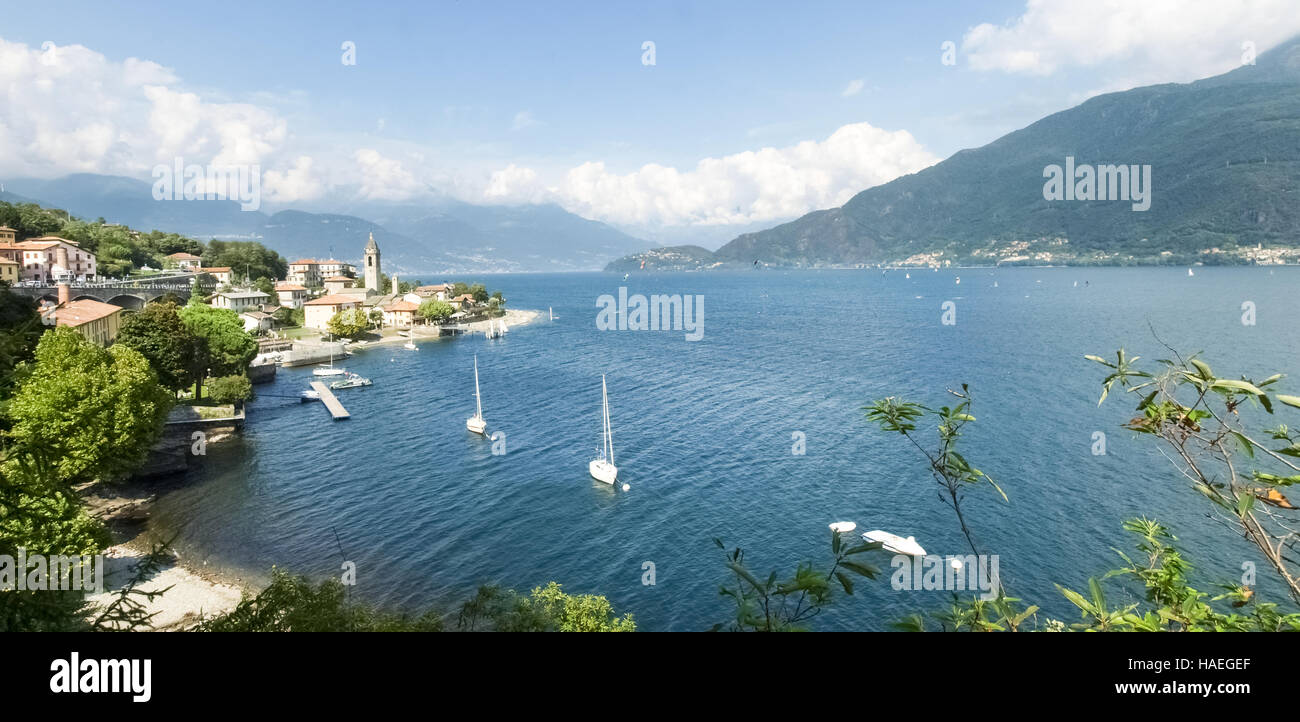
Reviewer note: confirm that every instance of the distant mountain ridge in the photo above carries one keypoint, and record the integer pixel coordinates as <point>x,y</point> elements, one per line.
<point>438,237</point>
<point>1225,158</point>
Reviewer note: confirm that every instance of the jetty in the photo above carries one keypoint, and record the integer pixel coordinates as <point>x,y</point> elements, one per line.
<point>330,400</point>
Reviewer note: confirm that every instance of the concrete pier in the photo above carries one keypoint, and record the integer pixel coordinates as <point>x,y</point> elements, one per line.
<point>330,400</point>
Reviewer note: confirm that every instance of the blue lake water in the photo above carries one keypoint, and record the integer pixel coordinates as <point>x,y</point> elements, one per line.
<point>703,434</point>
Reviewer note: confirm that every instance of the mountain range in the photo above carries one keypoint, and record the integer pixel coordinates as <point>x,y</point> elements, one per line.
<point>1224,157</point>
<point>438,236</point>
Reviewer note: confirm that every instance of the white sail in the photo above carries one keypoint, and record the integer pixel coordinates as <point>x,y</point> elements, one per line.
<point>476,423</point>
<point>603,468</point>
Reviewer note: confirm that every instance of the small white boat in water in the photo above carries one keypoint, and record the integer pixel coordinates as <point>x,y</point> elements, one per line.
<point>843,527</point>
<point>895,543</point>
<point>351,382</point>
<point>410,346</point>
<point>602,468</point>
<point>476,423</point>
<point>328,370</point>
<point>1189,272</point>
<point>310,395</point>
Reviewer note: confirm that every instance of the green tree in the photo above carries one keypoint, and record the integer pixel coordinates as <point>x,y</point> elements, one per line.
<point>90,411</point>
<point>229,389</point>
<point>546,609</point>
<point>160,335</point>
<point>435,311</point>
<point>479,292</point>
<point>245,259</point>
<point>349,323</point>
<point>225,348</point>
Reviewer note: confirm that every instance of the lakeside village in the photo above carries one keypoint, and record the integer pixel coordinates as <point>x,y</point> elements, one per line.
<point>320,311</point>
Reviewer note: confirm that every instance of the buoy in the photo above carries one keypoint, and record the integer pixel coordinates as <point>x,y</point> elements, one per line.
<point>627,487</point>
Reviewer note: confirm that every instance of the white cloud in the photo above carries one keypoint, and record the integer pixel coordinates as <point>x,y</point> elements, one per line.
<point>299,183</point>
<point>853,88</point>
<point>1150,41</point>
<point>766,184</point>
<point>70,109</point>
<point>384,178</point>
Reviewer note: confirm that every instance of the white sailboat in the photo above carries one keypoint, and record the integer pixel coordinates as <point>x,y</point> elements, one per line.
<point>602,468</point>
<point>503,326</point>
<point>476,423</point>
<point>1189,272</point>
<point>329,370</point>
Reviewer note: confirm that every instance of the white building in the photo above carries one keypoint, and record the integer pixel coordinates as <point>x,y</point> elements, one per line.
<point>240,301</point>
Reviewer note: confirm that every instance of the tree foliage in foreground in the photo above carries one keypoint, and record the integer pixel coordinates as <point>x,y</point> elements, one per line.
<point>1206,424</point>
<point>294,604</point>
<point>87,411</point>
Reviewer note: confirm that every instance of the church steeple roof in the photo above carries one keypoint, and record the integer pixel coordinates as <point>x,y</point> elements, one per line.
<point>372,246</point>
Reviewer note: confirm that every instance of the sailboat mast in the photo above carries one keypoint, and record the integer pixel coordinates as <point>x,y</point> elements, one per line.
<point>609,429</point>
<point>478,399</point>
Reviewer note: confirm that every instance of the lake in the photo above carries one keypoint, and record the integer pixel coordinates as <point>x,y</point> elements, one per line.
<point>704,434</point>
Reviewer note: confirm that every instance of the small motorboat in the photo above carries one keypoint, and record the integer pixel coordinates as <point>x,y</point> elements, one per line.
<point>351,382</point>
<point>843,527</point>
<point>895,543</point>
<point>310,395</point>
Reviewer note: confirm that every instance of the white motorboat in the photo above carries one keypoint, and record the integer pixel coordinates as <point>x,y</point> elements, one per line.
<point>476,423</point>
<point>602,468</point>
<point>895,543</point>
<point>351,382</point>
<point>310,395</point>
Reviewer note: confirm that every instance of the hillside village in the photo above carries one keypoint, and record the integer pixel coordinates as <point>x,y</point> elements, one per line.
<point>315,299</point>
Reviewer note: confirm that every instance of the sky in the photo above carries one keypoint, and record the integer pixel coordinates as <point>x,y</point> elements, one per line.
<point>750,113</point>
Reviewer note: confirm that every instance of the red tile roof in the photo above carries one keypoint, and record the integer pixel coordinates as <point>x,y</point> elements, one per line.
<point>400,306</point>
<point>334,299</point>
<point>75,313</point>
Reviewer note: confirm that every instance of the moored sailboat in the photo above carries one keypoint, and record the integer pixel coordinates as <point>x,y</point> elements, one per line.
<point>602,468</point>
<point>476,423</point>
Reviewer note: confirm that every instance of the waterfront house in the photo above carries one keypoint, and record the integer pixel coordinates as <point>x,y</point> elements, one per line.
<point>9,271</point>
<point>185,261</point>
<point>240,301</point>
<point>336,284</point>
<point>98,322</point>
<point>400,314</point>
<point>318,312</point>
<point>439,292</point>
<point>256,321</point>
<point>463,301</point>
<point>291,295</point>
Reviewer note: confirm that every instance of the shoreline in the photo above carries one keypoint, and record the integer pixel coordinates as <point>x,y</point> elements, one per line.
<point>513,318</point>
<point>196,591</point>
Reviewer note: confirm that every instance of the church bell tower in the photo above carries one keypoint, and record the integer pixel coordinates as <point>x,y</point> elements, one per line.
<point>372,265</point>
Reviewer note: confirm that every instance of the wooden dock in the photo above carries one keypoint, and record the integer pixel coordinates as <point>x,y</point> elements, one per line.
<point>330,400</point>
